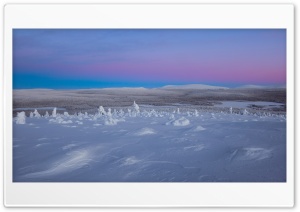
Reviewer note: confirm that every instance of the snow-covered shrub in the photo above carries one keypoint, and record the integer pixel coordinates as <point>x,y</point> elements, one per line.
<point>181,122</point>
<point>21,118</point>
<point>54,112</point>
<point>60,120</point>
<point>66,114</point>
<point>110,121</point>
<point>121,112</point>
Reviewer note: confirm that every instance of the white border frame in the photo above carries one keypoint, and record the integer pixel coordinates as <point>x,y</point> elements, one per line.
<point>147,16</point>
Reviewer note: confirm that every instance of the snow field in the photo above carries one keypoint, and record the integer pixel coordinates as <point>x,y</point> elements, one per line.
<point>149,145</point>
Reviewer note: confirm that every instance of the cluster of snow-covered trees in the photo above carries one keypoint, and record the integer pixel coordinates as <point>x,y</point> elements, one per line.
<point>112,117</point>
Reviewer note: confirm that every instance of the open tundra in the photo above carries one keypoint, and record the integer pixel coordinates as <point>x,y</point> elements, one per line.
<point>203,137</point>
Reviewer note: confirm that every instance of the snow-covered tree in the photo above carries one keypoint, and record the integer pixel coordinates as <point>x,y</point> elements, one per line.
<point>54,112</point>
<point>230,110</point>
<point>66,114</point>
<point>196,113</point>
<point>31,115</point>
<point>178,111</point>
<point>21,118</point>
<point>136,107</point>
<point>36,114</point>
<point>101,110</point>
<point>109,112</point>
<point>46,114</point>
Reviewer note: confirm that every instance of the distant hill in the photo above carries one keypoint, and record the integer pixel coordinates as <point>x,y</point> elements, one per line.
<point>260,86</point>
<point>194,86</point>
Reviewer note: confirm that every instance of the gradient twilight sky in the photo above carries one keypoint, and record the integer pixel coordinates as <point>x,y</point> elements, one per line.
<point>97,58</point>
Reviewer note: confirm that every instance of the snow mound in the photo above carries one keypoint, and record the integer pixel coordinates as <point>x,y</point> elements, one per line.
<point>145,131</point>
<point>181,122</point>
<point>21,118</point>
<point>199,128</point>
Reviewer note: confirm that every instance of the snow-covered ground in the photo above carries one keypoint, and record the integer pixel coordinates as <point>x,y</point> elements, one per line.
<point>151,144</point>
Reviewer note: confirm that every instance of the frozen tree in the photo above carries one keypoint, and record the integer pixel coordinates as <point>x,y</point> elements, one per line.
<point>21,118</point>
<point>136,107</point>
<point>101,110</point>
<point>36,114</point>
<point>109,112</point>
<point>31,115</point>
<point>54,112</point>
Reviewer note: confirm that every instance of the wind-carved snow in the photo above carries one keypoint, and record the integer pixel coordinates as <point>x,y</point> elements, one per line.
<point>195,148</point>
<point>251,153</point>
<point>130,161</point>
<point>72,161</point>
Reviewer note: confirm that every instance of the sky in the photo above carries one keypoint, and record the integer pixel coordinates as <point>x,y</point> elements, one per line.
<point>98,58</point>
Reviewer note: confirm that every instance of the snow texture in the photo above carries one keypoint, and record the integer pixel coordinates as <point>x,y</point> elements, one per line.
<point>150,144</point>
